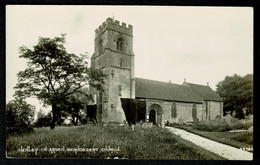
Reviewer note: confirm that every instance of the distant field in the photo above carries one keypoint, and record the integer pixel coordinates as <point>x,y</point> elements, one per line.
<point>105,142</point>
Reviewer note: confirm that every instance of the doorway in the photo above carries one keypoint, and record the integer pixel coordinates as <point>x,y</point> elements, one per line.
<point>152,115</point>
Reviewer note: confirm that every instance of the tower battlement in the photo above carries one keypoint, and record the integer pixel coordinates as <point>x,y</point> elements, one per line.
<point>114,25</point>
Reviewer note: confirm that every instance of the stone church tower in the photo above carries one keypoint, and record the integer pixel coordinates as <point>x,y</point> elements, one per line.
<point>113,54</point>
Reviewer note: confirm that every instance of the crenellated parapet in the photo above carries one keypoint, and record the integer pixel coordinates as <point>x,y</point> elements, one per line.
<point>114,25</point>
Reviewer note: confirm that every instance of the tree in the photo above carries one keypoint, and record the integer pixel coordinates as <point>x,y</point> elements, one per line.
<point>53,74</point>
<point>43,120</point>
<point>19,117</point>
<point>237,94</point>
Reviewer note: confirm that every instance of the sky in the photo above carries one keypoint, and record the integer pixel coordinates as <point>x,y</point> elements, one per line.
<point>199,44</point>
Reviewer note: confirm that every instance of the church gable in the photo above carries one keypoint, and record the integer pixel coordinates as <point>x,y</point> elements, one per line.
<point>204,92</point>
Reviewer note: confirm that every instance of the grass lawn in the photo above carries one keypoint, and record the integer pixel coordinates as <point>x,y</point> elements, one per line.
<point>235,139</point>
<point>89,141</point>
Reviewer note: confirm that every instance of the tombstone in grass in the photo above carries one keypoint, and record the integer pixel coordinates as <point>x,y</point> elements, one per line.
<point>180,121</point>
<point>228,118</point>
<point>250,130</point>
<point>217,118</point>
<point>163,124</point>
<point>222,120</point>
<point>234,114</point>
<point>195,120</point>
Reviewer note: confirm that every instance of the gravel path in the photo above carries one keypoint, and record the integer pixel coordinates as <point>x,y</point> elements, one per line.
<point>226,151</point>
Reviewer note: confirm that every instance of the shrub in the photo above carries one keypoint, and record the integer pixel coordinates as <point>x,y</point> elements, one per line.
<point>245,137</point>
<point>210,126</point>
<point>19,117</point>
<point>220,127</point>
<point>241,124</point>
<point>43,120</point>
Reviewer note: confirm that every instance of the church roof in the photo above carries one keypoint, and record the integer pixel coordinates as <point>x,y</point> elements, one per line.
<point>204,92</point>
<point>164,91</point>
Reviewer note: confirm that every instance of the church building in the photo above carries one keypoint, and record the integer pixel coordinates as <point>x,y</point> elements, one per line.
<point>165,101</point>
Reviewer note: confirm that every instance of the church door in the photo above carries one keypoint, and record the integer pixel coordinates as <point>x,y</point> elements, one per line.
<point>152,116</point>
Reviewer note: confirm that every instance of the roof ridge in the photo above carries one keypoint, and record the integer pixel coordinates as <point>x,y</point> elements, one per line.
<point>198,84</point>
<point>159,81</point>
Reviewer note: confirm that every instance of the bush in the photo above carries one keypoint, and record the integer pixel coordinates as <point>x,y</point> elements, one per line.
<point>43,120</point>
<point>241,124</point>
<point>19,117</point>
<point>214,126</point>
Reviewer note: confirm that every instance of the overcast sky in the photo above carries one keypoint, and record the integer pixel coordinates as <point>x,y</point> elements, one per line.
<point>201,44</point>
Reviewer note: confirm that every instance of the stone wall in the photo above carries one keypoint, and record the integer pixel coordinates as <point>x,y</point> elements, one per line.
<point>214,109</point>
<point>184,110</point>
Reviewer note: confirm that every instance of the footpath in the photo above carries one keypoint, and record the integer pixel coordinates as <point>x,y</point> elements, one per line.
<point>226,151</point>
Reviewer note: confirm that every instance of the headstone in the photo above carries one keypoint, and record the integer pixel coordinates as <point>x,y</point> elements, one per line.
<point>163,124</point>
<point>228,118</point>
<point>147,125</point>
<point>133,127</point>
<point>195,120</point>
<point>222,120</point>
<point>217,118</point>
<point>246,117</point>
<point>180,121</point>
<point>250,130</point>
<point>234,114</point>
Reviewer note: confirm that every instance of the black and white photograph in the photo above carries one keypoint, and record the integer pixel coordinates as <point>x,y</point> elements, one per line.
<point>129,82</point>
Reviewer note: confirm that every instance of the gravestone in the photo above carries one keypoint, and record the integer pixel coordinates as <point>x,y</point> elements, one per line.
<point>228,118</point>
<point>147,125</point>
<point>180,121</point>
<point>222,120</point>
<point>250,130</point>
<point>195,120</point>
<point>217,118</point>
<point>163,124</point>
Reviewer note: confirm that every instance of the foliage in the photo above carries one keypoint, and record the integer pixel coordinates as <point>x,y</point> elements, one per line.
<point>150,143</point>
<point>244,138</point>
<point>19,117</point>
<point>53,74</point>
<point>218,127</point>
<point>214,126</point>
<point>237,94</point>
<point>76,104</point>
<point>43,120</point>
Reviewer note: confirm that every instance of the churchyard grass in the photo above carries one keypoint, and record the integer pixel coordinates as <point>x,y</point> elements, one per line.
<point>81,142</point>
<point>220,133</point>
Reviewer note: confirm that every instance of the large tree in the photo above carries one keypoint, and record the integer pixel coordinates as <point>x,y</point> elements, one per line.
<point>53,74</point>
<point>237,94</point>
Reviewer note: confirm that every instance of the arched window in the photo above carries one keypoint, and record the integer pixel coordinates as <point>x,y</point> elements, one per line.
<point>174,110</point>
<point>120,44</point>
<point>100,47</point>
<point>194,111</point>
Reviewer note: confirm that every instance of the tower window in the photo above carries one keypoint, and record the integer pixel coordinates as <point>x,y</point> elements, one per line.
<point>120,44</point>
<point>100,47</point>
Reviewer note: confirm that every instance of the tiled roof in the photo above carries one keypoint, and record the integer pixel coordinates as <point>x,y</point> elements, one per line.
<point>204,92</point>
<point>164,91</point>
